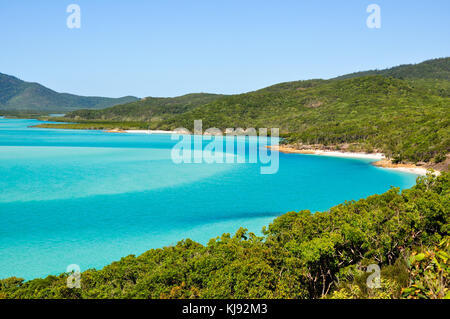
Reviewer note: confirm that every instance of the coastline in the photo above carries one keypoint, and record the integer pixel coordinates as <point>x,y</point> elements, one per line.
<point>381,160</point>
<point>408,168</point>
<point>291,150</point>
<point>317,152</point>
<point>142,131</point>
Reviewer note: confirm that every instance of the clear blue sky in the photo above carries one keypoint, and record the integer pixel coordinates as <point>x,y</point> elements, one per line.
<point>168,47</point>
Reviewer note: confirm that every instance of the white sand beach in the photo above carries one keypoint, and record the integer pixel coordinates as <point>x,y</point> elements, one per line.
<point>377,156</point>
<point>144,131</point>
<point>382,162</point>
<point>413,170</point>
<point>287,149</point>
<point>151,132</point>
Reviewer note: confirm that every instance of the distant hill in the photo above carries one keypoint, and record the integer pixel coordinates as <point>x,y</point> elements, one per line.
<point>148,109</point>
<point>438,69</point>
<point>433,75</point>
<point>16,94</point>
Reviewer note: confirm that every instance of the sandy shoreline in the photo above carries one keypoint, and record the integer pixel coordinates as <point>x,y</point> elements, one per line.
<point>381,162</point>
<point>151,132</point>
<point>142,131</point>
<point>291,150</point>
<point>409,168</point>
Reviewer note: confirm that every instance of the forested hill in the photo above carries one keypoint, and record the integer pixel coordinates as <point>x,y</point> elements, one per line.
<point>431,69</point>
<point>301,255</point>
<point>405,117</point>
<point>148,109</point>
<point>405,120</point>
<point>19,95</point>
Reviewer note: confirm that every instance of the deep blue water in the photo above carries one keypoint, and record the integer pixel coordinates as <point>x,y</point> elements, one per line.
<point>90,197</point>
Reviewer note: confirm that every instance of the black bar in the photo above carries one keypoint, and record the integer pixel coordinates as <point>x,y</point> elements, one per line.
<point>225,308</point>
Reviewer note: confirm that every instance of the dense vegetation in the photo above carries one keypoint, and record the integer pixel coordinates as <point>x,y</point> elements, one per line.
<point>403,112</point>
<point>431,69</point>
<point>301,255</point>
<point>148,109</point>
<point>24,114</point>
<point>136,115</point>
<point>16,95</point>
<point>369,113</point>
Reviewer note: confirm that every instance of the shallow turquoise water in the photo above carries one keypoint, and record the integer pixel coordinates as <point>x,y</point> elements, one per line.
<point>89,197</point>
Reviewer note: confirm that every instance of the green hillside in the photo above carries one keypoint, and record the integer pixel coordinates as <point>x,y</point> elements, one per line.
<point>147,109</point>
<point>300,255</point>
<point>19,95</point>
<point>430,69</point>
<point>403,119</point>
<point>403,112</point>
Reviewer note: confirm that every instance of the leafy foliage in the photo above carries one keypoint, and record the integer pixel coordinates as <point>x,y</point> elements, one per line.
<point>301,255</point>
<point>430,273</point>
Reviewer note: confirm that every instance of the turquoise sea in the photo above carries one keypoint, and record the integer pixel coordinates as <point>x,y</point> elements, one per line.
<point>90,197</point>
